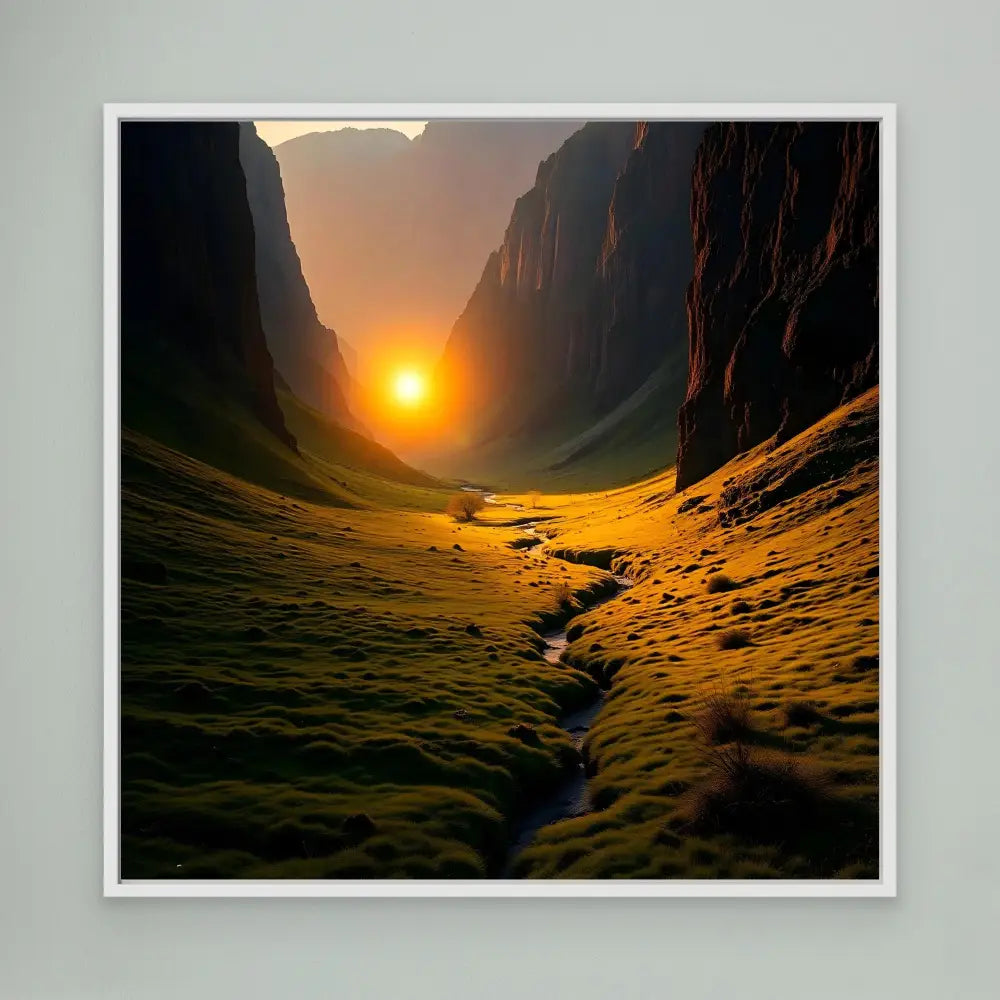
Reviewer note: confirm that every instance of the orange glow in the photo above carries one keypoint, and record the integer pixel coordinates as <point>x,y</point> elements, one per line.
<point>409,387</point>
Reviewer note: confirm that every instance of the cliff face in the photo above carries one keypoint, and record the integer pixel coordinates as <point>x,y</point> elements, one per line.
<point>188,281</point>
<point>584,300</point>
<point>305,352</point>
<point>646,262</point>
<point>783,306</point>
<point>392,233</point>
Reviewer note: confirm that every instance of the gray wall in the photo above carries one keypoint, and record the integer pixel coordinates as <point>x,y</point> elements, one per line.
<point>59,62</point>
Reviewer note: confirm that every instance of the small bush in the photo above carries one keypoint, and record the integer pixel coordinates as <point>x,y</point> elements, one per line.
<point>734,638</point>
<point>718,583</point>
<point>740,608</point>
<point>523,731</point>
<point>464,506</point>
<point>725,715</point>
<point>563,595</point>
<point>801,713</point>
<point>359,826</point>
<point>765,797</point>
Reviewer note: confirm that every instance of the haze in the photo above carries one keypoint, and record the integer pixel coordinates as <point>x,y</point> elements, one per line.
<point>274,133</point>
<point>393,233</point>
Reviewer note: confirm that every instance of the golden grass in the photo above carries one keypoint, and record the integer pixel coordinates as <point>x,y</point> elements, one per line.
<point>808,571</point>
<point>321,691</point>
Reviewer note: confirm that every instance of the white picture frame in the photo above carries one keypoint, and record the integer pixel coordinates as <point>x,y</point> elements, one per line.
<point>885,886</point>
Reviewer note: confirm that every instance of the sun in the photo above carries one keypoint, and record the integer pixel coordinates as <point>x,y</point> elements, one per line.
<point>409,387</point>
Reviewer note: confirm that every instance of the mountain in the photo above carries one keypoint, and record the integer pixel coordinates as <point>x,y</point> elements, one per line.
<point>189,299</point>
<point>783,305</point>
<point>305,352</point>
<point>196,372</point>
<point>582,306</point>
<point>392,233</point>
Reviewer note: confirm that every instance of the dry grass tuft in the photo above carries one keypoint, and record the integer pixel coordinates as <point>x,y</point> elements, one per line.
<point>767,797</point>
<point>801,713</point>
<point>464,506</point>
<point>735,638</point>
<point>725,714</point>
<point>719,583</point>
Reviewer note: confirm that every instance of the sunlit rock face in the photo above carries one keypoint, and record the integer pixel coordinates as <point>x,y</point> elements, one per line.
<point>305,352</point>
<point>188,277</point>
<point>783,306</point>
<point>584,299</point>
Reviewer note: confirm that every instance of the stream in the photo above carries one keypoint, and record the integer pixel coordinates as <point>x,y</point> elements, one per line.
<point>571,797</point>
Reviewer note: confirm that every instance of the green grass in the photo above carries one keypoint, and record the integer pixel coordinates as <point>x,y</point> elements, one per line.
<point>569,454</point>
<point>299,664</point>
<point>803,555</point>
<point>325,676</point>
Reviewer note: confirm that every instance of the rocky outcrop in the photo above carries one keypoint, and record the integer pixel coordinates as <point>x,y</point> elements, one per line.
<point>783,305</point>
<point>188,279</point>
<point>585,297</point>
<point>305,352</point>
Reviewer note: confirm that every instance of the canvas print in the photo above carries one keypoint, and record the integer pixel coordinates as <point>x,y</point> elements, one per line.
<point>499,500</point>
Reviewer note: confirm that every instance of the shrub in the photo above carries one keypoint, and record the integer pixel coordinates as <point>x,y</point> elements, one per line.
<point>464,506</point>
<point>734,638</point>
<point>725,714</point>
<point>763,796</point>
<point>523,731</point>
<point>801,713</point>
<point>719,583</point>
<point>740,608</point>
<point>563,595</point>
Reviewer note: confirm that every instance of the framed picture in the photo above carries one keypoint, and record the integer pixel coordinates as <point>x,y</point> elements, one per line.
<point>500,500</point>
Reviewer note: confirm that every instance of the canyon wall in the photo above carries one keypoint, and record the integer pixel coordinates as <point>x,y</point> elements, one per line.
<point>783,305</point>
<point>306,353</point>
<point>584,299</point>
<point>188,275</point>
<point>393,232</point>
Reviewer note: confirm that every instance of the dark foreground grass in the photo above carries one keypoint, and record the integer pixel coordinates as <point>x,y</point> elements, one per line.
<point>313,691</point>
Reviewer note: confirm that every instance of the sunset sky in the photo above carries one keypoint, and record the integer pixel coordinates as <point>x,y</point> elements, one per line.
<point>275,132</point>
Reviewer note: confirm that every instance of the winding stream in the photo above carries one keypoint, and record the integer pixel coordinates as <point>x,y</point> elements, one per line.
<point>572,796</point>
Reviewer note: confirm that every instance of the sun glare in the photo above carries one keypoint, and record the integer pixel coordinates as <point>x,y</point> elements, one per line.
<point>409,387</point>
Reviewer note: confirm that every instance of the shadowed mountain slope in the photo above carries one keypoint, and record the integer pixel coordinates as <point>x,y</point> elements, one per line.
<point>582,306</point>
<point>189,288</point>
<point>197,375</point>
<point>305,351</point>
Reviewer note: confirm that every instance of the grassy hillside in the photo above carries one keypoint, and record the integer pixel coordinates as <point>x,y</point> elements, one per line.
<point>347,683</point>
<point>571,453</point>
<point>319,692</point>
<point>751,636</point>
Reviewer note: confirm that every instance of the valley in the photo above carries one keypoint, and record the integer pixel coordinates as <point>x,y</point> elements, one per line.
<point>613,609</point>
<point>365,692</point>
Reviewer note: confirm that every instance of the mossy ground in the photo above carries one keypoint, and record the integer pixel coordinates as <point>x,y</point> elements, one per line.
<point>334,689</point>
<point>288,665</point>
<point>795,528</point>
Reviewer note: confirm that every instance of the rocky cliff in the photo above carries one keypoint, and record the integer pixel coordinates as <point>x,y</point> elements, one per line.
<point>305,352</point>
<point>645,263</point>
<point>783,305</point>
<point>188,279</point>
<point>584,300</point>
<point>393,233</point>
